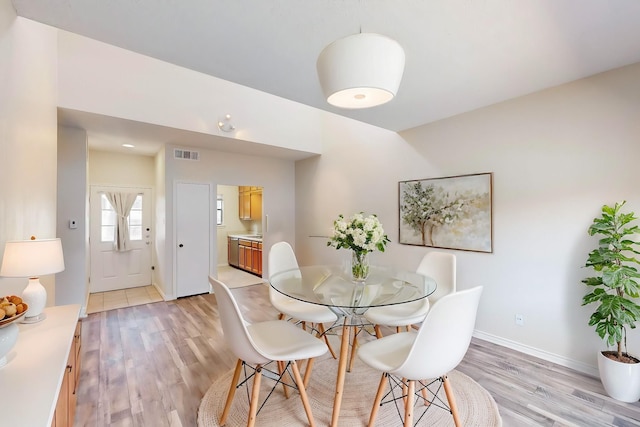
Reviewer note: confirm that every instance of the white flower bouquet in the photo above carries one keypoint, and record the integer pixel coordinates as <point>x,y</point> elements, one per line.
<point>362,235</point>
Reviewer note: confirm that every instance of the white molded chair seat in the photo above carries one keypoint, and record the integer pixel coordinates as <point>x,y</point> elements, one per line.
<point>261,343</point>
<point>303,311</point>
<point>430,353</point>
<point>399,314</point>
<point>282,258</point>
<point>280,340</point>
<point>441,267</point>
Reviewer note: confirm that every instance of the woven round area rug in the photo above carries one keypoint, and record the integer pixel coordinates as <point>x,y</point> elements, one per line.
<point>476,407</point>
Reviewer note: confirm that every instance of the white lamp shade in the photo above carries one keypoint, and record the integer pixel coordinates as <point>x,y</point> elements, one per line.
<point>361,71</point>
<point>32,258</point>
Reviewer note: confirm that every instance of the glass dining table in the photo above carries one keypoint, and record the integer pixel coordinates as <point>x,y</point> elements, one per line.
<point>332,286</point>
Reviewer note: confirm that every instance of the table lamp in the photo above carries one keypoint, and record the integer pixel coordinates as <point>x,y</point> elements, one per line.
<point>33,258</point>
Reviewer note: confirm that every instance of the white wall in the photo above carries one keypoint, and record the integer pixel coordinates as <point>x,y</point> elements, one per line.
<point>557,157</point>
<point>72,205</point>
<point>160,221</point>
<point>28,134</point>
<point>118,169</point>
<point>99,78</point>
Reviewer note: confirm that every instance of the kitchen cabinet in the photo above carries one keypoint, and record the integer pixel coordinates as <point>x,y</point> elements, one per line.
<point>256,257</point>
<point>250,256</point>
<point>250,202</point>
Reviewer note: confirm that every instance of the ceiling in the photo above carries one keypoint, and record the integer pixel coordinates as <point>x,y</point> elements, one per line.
<point>460,54</point>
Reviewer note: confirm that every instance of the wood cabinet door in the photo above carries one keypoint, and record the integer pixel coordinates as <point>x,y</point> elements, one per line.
<point>245,205</point>
<point>255,205</point>
<point>241,257</point>
<point>256,256</point>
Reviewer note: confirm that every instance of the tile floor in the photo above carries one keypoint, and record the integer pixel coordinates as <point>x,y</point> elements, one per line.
<point>101,301</point>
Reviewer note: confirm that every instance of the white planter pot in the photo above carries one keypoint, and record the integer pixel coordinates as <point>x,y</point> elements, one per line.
<point>620,380</point>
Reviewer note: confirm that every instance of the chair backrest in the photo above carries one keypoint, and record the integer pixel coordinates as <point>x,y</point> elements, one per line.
<point>441,266</point>
<point>281,258</point>
<point>234,326</point>
<point>444,337</point>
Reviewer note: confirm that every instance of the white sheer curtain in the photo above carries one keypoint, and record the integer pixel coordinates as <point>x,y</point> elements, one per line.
<point>121,203</point>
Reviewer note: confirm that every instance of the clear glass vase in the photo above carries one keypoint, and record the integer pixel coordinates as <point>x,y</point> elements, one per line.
<point>359,266</point>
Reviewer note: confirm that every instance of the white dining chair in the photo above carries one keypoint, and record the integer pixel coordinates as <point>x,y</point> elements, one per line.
<point>441,266</point>
<point>257,344</point>
<point>427,354</point>
<point>282,258</point>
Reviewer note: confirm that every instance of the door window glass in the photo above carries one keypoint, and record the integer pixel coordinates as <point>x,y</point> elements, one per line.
<point>135,219</point>
<point>108,225</point>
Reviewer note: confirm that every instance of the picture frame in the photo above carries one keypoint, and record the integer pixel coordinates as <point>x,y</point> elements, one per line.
<point>453,212</point>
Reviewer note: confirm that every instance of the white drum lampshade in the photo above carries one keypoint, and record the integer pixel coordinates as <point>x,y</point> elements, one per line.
<point>361,70</point>
<point>32,259</point>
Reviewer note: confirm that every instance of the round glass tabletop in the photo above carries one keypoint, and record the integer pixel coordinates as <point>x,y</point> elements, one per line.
<point>332,286</point>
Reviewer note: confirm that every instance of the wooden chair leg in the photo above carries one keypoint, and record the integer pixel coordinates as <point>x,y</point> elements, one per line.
<point>232,392</point>
<point>307,372</point>
<point>425,395</point>
<point>378,332</point>
<point>280,316</point>
<point>405,390</point>
<point>377,400</point>
<point>281,366</point>
<point>303,392</point>
<point>408,405</point>
<point>255,394</point>
<point>326,339</point>
<point>452,401</point>
<point>354,348</point>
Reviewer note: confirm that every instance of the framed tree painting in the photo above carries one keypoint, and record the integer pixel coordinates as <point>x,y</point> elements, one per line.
<point>451,212</point>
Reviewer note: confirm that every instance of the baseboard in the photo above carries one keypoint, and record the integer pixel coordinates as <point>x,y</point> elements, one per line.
<point>541,354</point>
<point>161,292</point>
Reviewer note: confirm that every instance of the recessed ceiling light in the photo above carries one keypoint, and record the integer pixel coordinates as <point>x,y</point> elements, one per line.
<point>128,145</point>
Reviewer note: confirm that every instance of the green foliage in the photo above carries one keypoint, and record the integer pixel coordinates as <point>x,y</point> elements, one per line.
<point>618,279</point>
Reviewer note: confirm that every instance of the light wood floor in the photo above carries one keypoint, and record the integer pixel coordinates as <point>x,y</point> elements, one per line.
<point>151,364</point>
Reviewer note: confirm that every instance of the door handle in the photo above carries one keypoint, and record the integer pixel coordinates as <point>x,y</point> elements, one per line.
<point>180,245</point>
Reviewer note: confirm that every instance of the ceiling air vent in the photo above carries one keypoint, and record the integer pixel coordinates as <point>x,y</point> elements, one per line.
<point>186,154</point>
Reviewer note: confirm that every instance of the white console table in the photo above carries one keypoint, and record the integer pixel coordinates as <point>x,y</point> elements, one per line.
<point>30,382</point>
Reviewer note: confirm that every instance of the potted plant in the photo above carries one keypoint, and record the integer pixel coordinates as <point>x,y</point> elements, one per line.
<point>613,289</point>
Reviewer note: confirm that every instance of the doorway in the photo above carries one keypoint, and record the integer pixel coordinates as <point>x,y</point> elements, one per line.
<point>240,212</point>
<point>114,268</point>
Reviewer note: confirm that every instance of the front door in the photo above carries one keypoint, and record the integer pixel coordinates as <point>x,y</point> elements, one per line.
<point>111,270</point>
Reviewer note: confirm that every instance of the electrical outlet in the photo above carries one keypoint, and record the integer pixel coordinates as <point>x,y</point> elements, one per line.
<point>519,320</point>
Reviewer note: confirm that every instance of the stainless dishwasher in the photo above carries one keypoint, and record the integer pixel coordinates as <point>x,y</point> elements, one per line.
<point>233,251</point>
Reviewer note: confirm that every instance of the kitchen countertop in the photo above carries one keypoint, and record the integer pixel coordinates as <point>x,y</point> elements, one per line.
<point>253,237</point>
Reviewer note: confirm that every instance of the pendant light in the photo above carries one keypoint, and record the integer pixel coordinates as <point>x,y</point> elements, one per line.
<point>361,71</point>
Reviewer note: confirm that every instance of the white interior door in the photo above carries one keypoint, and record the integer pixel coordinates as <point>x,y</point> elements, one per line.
<point>111,270</point>
<point>193,237</point>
